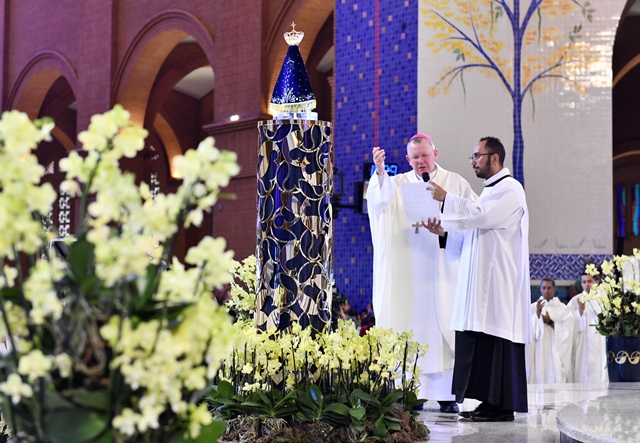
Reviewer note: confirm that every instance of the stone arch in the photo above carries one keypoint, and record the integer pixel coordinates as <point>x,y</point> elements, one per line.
<point>35,80</point>
<point>144,57</point>
<point>310,16</point>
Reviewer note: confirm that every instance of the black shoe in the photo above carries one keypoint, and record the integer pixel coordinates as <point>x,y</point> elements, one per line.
<point>448,407</point>
<point>492,414</point>
<point>469,414</point>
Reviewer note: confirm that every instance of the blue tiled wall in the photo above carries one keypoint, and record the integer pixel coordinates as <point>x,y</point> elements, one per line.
<point>355,122</point>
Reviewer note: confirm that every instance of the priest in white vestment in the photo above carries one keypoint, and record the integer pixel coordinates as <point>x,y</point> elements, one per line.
<point>413,278</point>
<point>548,356</point>
<point>491,306</point>
<point>589,346</point>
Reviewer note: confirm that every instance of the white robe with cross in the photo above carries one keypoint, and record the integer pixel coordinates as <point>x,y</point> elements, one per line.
<point>492,236</point>
<point>413,277</point>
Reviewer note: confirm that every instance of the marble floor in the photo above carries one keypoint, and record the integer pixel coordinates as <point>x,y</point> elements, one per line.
<point>585,412</point>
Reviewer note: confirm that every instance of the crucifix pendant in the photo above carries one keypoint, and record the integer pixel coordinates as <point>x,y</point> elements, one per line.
<point>416,225</point>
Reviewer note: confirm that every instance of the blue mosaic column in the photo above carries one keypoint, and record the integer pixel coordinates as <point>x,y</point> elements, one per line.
<point>294,226</point>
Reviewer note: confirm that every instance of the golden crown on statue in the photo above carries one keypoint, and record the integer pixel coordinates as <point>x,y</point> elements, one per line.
<point>293,37</point>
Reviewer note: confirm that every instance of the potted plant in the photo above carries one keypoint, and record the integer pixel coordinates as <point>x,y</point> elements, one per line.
<point>618,294</point>
<point>116,342</point>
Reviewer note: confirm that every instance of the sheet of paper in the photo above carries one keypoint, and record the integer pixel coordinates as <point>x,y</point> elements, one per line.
<point>419,204</point>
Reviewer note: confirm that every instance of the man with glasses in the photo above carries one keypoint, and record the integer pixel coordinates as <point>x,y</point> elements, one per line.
<point>491,306</point>
<point>413,279</point>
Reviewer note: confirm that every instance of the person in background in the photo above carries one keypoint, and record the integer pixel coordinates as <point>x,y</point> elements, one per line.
<point>548,356</point>
<point>589,347</point>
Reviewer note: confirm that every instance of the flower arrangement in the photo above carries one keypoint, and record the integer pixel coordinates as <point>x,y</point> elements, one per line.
<point>618,295</point>
<point>119,341</point>
<point>333,385</point>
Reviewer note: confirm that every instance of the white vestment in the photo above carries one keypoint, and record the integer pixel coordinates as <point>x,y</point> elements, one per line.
<point>492,235</point>
<point>589,346</point>
<point>548,356</point>
<point>413,278</point>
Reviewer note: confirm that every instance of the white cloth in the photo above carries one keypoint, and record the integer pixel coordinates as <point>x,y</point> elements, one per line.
<point>492,235</point>
<point>413,278</point>
<point>589,346</point>
<point>548,356</point>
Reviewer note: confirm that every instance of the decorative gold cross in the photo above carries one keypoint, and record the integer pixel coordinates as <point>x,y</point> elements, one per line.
<point>416,225</point>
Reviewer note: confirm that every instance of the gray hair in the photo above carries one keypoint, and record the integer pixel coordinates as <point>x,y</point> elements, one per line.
<point>418,140</point>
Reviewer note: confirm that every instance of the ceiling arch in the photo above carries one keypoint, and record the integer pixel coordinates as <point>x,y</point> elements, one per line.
<point>136,73</point>
<point>35,80</point>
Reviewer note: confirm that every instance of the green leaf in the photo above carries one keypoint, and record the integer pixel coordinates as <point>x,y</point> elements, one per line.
<point>208,434</point>
<point>80,260</point>
<point>338,408</point>
<point>391,398</point>
<point>224,390</point>
<point>305,399</point>
<point>265,400</point>
<point>285,399</point>
<point>91,286</point>
<point>10,294</point>
<point>74,425</point>
<point>107,437</point>
<point>286,411</point>
<point>253,404</point>
<point>358,413</point>
<point>316,394</point>
<point>392,423</point>
<point>380,429</point>
<point>98,400</point>
<point>54,401</point>
<point>359,393</point>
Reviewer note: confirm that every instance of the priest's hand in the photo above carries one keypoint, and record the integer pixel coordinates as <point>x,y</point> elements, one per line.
<point>436,191</point>
<point>434,226</point>
<point>378,159</point>
<point>580,307</point>
<point>547,320</point>
<point>539,306</point>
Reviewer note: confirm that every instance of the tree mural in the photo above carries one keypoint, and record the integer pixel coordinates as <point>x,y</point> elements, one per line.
<point>471,31</point>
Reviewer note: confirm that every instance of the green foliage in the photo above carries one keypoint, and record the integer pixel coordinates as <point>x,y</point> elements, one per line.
<point>618,295</point>
<point>108,343</point>
<point>312,408</point>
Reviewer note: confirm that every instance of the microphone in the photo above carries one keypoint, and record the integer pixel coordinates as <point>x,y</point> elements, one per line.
<point>425,176</point>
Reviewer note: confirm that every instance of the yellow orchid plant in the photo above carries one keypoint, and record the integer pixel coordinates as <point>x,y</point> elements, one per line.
<point>618,294</point>
<point>118,341</point>
<point>339,378</point>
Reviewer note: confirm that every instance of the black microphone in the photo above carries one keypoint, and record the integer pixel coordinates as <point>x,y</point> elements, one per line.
<point>425,176</point>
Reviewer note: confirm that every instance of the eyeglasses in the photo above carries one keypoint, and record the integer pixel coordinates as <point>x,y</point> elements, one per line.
<point>476,156</point>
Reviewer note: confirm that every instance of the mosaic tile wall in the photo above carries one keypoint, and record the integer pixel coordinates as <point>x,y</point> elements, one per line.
<point>359,54</point>
<point>383,37</point>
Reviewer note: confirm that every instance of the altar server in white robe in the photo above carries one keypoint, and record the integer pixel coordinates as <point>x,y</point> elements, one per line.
<point>548,356</point>
<point>413,278</point>
<point>589,346</point>
<point>491,307</point>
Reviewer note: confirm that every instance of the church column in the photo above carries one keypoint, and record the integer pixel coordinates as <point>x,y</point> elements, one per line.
<point>95,74</point>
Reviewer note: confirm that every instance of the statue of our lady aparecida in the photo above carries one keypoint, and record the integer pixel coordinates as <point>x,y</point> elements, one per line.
<point>295,182</point>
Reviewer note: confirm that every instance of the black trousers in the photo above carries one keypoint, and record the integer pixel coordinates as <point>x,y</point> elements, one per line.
<point>490,369</point>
